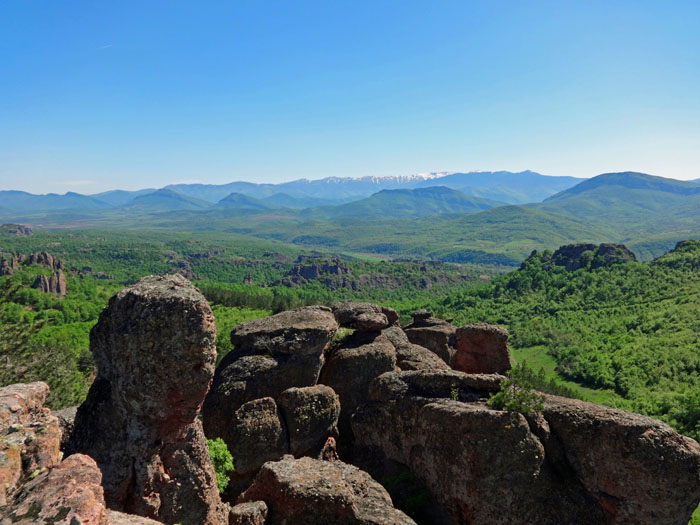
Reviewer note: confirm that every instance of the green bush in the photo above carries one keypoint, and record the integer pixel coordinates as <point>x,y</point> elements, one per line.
<point>222,460</point>
<point>517,395</point>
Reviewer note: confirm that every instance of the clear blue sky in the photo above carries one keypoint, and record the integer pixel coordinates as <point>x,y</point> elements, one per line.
<point>99,95</point>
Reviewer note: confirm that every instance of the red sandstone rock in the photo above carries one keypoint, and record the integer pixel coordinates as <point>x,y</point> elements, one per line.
<point>154,348</point>
<point>67,493</point>
<point>482,349</point>
<point>29,435</point>
<point>575,463</point>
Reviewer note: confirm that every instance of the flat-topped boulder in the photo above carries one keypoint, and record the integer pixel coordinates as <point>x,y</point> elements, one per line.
<point>366,317</point>
<point>155,355</point>
<point>301,331</point>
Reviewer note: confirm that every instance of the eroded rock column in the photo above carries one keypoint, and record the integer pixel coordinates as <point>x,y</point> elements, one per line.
<point>155,353</point>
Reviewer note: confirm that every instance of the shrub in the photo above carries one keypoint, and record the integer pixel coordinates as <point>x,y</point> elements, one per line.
<point>517,395</point>
<point>222,460</point>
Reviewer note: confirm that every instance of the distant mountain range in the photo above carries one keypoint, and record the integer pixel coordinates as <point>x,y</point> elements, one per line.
<point>432,219</point>
<point>501,186</point>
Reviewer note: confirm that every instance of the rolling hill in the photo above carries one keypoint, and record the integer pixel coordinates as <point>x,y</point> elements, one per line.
<point>22,202</point>
<point>632,204</point>
<point>504,186</point>
<point>420,202</point>
<point>163,201</point>
<point>240,201</point>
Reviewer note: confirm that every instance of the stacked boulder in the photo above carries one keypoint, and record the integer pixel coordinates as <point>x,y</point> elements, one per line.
<point>437,335</point>
<point>265,401</point>
<point>155,354</point>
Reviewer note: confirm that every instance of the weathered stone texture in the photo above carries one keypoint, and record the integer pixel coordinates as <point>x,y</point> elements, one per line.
<point>154,349</point>
<point>482,349</point>
<point>315,492</point>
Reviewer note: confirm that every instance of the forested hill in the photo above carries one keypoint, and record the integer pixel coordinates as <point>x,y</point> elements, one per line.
<point>628,330</point>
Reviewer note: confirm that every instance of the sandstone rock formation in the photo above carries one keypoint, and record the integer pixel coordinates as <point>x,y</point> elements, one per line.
<point>366,317</point>
<point>350,369</point>
<point>155,354</point>
<point>585,255</point>
<point>410,356</point>
<point>34,486</point>
<point>270,356</point>
<point>574,463</point>
<point>311,416</point>
<point>68,493</point>
<point>436,335</point>
<point>9,264</point>
<point>315,492</point>
<point>55,284</point>
<point>16,229</point>
<point>29,436</point>
<point>264,402</point>
<point>482,349</point>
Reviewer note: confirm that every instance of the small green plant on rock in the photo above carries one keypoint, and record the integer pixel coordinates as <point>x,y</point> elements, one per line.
<point>222,460</point>
<point>517,395</point>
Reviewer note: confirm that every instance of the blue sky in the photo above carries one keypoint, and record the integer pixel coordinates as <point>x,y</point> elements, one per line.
<point>100,95</point>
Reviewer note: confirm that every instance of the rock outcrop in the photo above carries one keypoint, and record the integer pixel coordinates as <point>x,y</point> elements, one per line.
<point>55,284</point>
<point>315,492</point>
<point>264,402</point>
<point>574,463</point>
<point>366,317</point>
<point>410,356</point>
<point>436,335</point>
<point>16,229</point>
<point>68,493</point>
<point>155,354</point>
<point>30,436</point>
<point>576,256</point>
<point>350,369</point>
<point>482,349</point>
<point>34,486</point>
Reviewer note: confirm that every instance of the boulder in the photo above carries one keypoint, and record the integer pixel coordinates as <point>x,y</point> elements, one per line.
<point>317,492</point>
<point>304,331</point>
<point>30,436</point>
<point>440,338</point>
<point>636,468</point>
<point>350,369</point>
<point>573,463</point>
<point>155,355</point>
<point>258,434</point>
<point>67,493</point>
<point>311,416</point>
<point>367,317</point>
<point>251,513</point>
<point>290,345</point>
<point>410,356</point>
<point>482,349</point>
